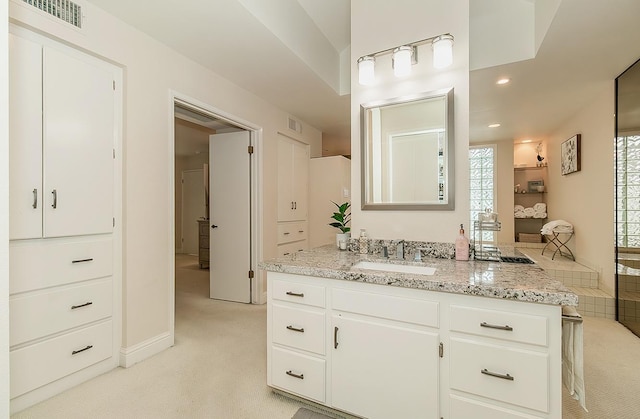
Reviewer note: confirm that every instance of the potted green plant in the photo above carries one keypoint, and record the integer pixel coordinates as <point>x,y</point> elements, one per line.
<point>341,220</point>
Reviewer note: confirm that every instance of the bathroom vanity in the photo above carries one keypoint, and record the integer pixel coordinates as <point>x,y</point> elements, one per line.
<point>471,339</point>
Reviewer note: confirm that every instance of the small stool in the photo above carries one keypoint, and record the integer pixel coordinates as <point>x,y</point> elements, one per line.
<point>559,240</point>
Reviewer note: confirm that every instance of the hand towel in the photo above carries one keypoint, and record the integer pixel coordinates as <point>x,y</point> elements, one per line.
<point>572,355</point>
<point>540,215</point>
<point>519,214</point>
<point>540,207</point>
<point>529,212</point>
<point>518,208</point>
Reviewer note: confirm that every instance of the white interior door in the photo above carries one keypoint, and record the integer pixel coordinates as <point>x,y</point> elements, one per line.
<point>193,208</point>
<point>230,218</point>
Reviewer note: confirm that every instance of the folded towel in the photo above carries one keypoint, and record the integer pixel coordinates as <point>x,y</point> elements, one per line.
<point>529,212</point>
<point>572,355</point>
<point>540,215</point>
<point>518,208</point>
<point>519,214</point>
<point>540,207</point>
<point>558,226</point>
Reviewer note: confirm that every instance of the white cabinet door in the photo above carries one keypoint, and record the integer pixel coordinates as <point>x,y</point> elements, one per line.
<point>384,370</point>
<point>293,179</point>
<point>25,138</point>
<point>300,180</point>
<point>78,103</point>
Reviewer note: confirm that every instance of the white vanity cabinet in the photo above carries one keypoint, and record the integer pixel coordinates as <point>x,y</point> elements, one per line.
<point>62,289</point>
<point>401,352</point>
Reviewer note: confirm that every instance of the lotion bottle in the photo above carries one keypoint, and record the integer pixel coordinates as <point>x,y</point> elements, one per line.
<point>462,246</point>
<point>363,241</point>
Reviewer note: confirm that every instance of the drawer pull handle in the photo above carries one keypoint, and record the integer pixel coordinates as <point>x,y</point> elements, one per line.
<point>35,198</point>
<point>296,329</point>
<point>82,260</point>
<point>292,374</point>
<point>494,326</point>
<point>335,337</point>
<point>295,294</point>
<point>300,231</point>
<point>88,303</point>
<point>286,233</point>
<point>286,254</point>
<point>55,199</point>
<point>86,348</point>
<point>495,374</point>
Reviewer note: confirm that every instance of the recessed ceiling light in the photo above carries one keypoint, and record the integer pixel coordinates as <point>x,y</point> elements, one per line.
<point>494,125</point>
<point>503,81</point>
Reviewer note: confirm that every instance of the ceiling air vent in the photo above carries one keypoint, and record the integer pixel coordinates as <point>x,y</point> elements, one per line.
<point>65,10</point>
<point>295,125</point>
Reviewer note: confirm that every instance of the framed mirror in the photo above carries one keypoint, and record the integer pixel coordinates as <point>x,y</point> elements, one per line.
<point>407,150</point>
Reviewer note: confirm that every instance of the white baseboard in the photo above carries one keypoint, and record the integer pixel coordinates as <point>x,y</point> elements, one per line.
<point>137,353</point>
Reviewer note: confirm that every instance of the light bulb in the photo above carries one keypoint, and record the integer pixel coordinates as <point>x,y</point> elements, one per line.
<point>366,70</point>
<point>402,61</point>
<point>442,51</point>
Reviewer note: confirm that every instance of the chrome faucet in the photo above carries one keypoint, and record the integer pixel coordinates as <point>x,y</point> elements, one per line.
<point>400,250</point>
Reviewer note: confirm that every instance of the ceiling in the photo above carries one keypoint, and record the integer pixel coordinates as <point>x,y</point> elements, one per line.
<point>588,44</point>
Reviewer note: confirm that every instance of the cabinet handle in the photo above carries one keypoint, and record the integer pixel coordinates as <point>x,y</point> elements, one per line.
<point>494,326</point>
<point>295,205</point>
<point>88,303</point>
<point>300,231</point>
<point>291,204</point>
<point>292,374</point>
<point>286,254</point>
<point>295,294</point>
<point>55,199</point>
<point>295,329</point>
<point>286,233</point>
<point>335,337</point>
<point>35,198</point>
<point>82,260</point>
<point>495,374</point>
<point>86,348</point>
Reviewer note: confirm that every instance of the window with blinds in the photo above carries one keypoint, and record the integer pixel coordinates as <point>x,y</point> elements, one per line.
<point>65,10</point>
<point>481,186</point>
<point>628,191</point>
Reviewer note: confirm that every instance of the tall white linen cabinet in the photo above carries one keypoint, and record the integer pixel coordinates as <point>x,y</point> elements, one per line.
<point>64,183</point>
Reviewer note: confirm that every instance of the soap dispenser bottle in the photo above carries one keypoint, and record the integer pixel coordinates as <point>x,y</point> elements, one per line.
<point>363,242</point>
<point>462,245</point>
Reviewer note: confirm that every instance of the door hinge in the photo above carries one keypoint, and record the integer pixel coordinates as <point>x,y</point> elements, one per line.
<point>441,350</point>
<point>250,149</point>
<point>251,274</point>
<point>114,85</point>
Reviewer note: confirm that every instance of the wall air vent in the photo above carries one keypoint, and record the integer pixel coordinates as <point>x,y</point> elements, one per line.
<point>65,10</point>
<point>295,125</point>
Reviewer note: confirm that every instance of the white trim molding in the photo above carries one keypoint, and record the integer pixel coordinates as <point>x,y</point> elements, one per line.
<point>143,350</point>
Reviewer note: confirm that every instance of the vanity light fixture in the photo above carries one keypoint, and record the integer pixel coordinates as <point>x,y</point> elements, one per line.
<point>406,55</point>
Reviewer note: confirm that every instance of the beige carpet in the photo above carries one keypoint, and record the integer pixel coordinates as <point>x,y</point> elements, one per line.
<point>217,369</point>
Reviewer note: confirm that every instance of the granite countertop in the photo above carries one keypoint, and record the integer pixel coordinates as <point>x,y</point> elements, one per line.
<point>507,281</point>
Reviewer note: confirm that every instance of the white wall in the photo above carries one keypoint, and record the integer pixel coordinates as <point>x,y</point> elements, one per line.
<point>4,212</point>
<point>151,72</point>
<point>380,24</point>
<point>586,198</point>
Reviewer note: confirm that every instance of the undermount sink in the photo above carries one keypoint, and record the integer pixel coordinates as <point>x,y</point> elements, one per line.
<point>391,267</point>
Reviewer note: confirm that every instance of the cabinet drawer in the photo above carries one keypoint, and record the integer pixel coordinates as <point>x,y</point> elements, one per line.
<point>299,374</point>
<point>402,309</point>
<point>290,248</point>
<point>295,292</point>
<point>509,326</point>
<point>299,328</point>
<point>290,232</point>
<point>51,262</point>
<point>42,313</point>
<point>36,365</point>
<point>462,408</point>
<point>530,372</point>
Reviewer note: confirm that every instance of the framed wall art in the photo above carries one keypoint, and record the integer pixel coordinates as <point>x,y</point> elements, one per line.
<point>570,155</point>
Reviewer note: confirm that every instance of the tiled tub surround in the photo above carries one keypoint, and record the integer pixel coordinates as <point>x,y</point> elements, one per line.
<point>340,336</point>
<point>510,281</point>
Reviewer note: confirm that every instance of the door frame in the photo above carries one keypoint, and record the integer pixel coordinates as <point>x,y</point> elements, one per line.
<point>258,287</point>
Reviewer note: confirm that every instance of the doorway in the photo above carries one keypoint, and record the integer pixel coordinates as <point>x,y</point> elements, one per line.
<point>209,121</point>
